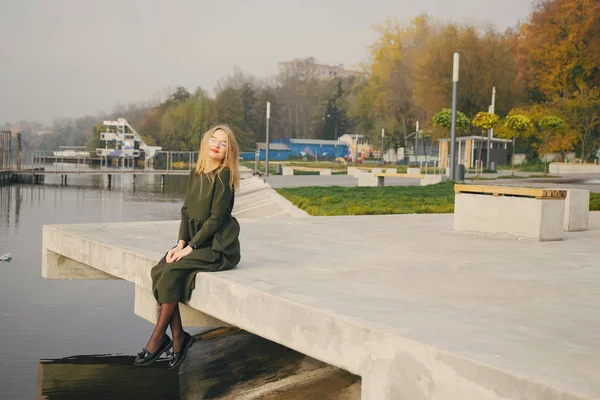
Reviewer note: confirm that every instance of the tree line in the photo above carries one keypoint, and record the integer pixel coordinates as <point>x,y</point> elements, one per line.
<point>547,69</point>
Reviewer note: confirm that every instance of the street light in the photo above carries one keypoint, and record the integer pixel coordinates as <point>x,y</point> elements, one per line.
<point>452,161</point>
<point>267,146</point>
<point>492,110</point>
<point>382,135</point>
<point>417,143</point>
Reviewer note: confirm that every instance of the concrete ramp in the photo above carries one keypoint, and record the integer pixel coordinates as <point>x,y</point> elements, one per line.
<point>256,199</point>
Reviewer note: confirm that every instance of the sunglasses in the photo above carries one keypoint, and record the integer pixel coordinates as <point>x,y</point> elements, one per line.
<point>212,141</point>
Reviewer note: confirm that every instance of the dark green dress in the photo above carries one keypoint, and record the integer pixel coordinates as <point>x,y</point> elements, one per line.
<point>207,222</point>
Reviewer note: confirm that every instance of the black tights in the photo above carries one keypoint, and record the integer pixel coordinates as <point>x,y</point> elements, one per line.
<point>168,315</point>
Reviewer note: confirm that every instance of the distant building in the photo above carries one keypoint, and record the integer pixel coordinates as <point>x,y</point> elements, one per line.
<point>468,149</point>
<point>289,149</point>
<point>321,71</point>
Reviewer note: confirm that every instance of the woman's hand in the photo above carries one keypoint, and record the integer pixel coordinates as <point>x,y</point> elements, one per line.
<point>174,250</point>
<point>182,253</point>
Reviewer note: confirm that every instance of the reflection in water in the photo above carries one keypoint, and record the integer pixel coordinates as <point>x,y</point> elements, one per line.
<point>5,204</point>
<point>54,319</point>
<point>108,377</point>
<point>123,182</point>
<point>220,364</point>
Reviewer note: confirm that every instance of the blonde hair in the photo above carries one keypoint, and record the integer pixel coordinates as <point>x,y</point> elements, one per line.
<point>231,156</point>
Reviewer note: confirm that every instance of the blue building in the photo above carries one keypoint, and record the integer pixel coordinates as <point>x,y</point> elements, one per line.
<point>311,149</point>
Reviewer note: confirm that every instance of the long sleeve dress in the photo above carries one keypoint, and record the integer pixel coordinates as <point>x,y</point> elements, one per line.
<point>207,222</point>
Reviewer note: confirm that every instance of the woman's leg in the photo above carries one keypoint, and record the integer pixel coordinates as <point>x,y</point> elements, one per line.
<point>177,329</point>
<point>167,311</point>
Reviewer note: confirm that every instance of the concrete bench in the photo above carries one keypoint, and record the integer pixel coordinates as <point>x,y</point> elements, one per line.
<point>378,179</point>
<point>289,171</point>
<point>355,171</point>
<point>526,213</point>
<point>577,210</point>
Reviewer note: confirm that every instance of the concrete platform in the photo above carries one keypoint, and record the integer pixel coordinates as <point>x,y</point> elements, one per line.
<point>256,199</point>
<point>415,309</point>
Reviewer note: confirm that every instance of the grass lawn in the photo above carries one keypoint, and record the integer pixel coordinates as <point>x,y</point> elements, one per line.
<point>336,200</point>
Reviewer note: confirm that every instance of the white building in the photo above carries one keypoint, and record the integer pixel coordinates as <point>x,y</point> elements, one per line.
<point>321,71</point>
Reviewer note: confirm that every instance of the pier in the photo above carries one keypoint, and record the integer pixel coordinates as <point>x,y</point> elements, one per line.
<point>418,310</point>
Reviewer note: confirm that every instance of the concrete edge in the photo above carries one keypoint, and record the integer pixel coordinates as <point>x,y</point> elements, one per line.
<point>258,184</point>
<point>284,203</point>
<point>265,315</point>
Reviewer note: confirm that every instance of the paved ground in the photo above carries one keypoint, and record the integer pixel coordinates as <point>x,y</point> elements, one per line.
<point>445,313</point>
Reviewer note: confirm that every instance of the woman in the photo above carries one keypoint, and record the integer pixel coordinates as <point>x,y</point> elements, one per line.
<point>208,241</point>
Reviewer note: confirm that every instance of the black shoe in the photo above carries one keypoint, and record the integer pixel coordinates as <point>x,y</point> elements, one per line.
<point>146,358</point>
<point>177,358</point>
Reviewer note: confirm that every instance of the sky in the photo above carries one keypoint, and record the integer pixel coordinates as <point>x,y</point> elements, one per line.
<point>69,58</point>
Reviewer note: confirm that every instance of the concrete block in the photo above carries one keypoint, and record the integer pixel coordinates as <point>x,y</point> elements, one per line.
<point>524,218</point>
<point>325,171</point>
<point>412,171</point>
<point>432,179</point>
<point>56,266</point>
<point>352,171</point>
<point>577,210</point>
<point>287,171</point>
<point>574,168</point>
<point>365,179</point>
<point>391,171</point>
<point>377,170</point>
<point>145,306</point>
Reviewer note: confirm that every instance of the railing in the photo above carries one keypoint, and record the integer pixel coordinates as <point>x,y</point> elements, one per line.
<point>163,161</point>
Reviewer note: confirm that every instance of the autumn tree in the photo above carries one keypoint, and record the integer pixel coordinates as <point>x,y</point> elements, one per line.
<point>443,120</point>
<point>548,125</point>
<point>582,111</point>
<point>484,121</point>
<point>516,125</point>
<point>486,61</point>
<point>559,48</point>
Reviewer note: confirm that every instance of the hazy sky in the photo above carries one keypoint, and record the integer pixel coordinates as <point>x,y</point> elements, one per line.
<point>74,57</point>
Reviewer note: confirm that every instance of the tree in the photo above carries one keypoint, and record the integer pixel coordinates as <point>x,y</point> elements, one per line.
<point>559,47</point>
<point>234,107</point>
<point>484,121</point>
<point>443,120</point>
<point>336,121</point>
<point>181,95</point>
<point>183,124</point>
<point>549,125</point>
<point>299,95</point>
<point>386,98</point>
<point>582,111</point>
<point>486,61</point>
<point>516,124</point>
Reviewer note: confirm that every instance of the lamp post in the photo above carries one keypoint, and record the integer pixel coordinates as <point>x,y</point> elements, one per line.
<point>267,146</point>
<point>452,161</point>
<point>417,144</point>
<point>490,131</point>
<point>382,135</point>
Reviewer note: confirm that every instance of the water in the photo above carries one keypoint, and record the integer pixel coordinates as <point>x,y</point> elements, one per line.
<point>51,320</point>
<point>77,339</point>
